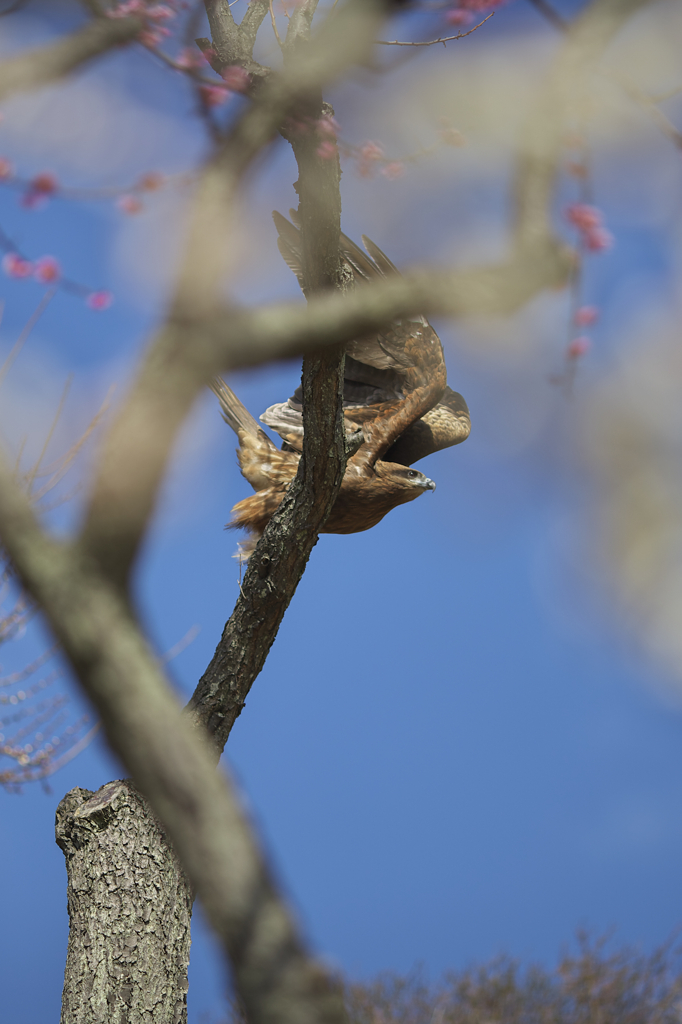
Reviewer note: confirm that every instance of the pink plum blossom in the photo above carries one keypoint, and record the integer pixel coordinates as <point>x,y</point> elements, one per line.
<point>586,316</point>
<point>590,223</point>
<point>99,300</point>
<point>160,12</point>
<point>213,95</point>
<point>235,78</point>
<point>190,59</point>
<point>129,204</point>
<point>328,125</point>
<point>46,270</point>
<point>327,150</point>
<point>370,154</point>
<point>459,17</point>
<point>584,217</point>
<point>15,265</point>
<point>38,190</point>
<point>151,182</point>
<point>6,169</point>
<point>598,239</point>
<point>127,9</point>
<point>578,347</point>
<point>392,170</point>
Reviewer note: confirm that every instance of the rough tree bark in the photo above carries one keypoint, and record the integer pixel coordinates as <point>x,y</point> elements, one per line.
<point>129,908</point>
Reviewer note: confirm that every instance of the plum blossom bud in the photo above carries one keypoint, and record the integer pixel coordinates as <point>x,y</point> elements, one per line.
<point>151,182</point>
<point>392,170</point>
<point>129,204</point>
<point>327,150</point>
<point>459,17</point>
<point>160,12</point>
<point>578,347</point>
<point>213,95</point>
<point>152,36</point>
<point>369,154</point>
<point>328,125</point>
<point>45,182</point>
<point>189,59</point>
<point>38,190</point>
<point>598,239</point>
<point>6,169</point>
<point>124,10</point>
<point>235,78</point>
<point>46,270</point>
<point>15,265</point>
<point>99,300</point>
<point>371,151</point>
<point>586,316</point>
<point>584,217</point>
<point>590,223</point>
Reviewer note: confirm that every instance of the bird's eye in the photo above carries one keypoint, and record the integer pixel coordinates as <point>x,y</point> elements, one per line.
<point>411,473</point>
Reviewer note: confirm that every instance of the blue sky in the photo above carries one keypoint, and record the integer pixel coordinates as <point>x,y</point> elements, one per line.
<point>456,747</point>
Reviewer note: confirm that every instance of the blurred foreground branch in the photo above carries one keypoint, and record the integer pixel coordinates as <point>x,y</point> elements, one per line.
<point>48,64</point>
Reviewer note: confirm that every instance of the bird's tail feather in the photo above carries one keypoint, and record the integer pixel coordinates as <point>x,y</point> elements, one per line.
<point>233,412</point>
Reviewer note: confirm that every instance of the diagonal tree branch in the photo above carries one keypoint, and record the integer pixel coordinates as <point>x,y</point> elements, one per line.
<point>48,64</point>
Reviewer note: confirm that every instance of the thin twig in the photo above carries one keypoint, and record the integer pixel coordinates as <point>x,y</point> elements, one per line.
<point>19,343</point>
<point>649,104</point>
<point>274,26</point>
<point>432,42</point>
<point>32,475</point>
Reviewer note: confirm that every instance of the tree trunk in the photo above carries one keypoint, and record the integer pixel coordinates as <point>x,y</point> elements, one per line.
<point>129,910</point>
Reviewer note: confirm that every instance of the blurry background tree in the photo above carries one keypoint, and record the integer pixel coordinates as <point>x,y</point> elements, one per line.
<point>566,111</point>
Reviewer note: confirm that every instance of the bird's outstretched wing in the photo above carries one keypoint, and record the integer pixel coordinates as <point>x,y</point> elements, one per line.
<point>394,380</point>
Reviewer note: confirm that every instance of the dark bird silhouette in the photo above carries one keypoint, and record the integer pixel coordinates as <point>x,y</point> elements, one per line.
<point>394,391</point>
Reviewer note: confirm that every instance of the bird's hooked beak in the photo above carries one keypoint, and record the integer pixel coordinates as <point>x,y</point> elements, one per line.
<point>430,485</point>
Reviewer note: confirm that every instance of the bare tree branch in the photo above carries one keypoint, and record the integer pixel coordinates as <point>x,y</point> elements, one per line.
<point>233,43</point>
<point>49,63</point>
<point>170,762</point>
<point>300,22</point>
<point>252,20</point>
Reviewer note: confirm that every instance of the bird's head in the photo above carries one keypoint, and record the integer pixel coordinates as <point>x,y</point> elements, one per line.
<point>409,481</point>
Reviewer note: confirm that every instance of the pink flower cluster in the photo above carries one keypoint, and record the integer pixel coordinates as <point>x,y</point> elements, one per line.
<point>214,95</point>
<point>153,14</point>
<point>328,128</point>
<point>47,270</point>
<point>236,79</point>
<point>585,316</point>
<point>590,224</point>
<point>370,155</point>
<point>463,12</point>
<point>99,300</point>
<point>191,58</point>
<point>578,347</point>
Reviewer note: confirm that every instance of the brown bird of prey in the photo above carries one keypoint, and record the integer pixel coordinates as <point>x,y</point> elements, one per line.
<point>394,391</point>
